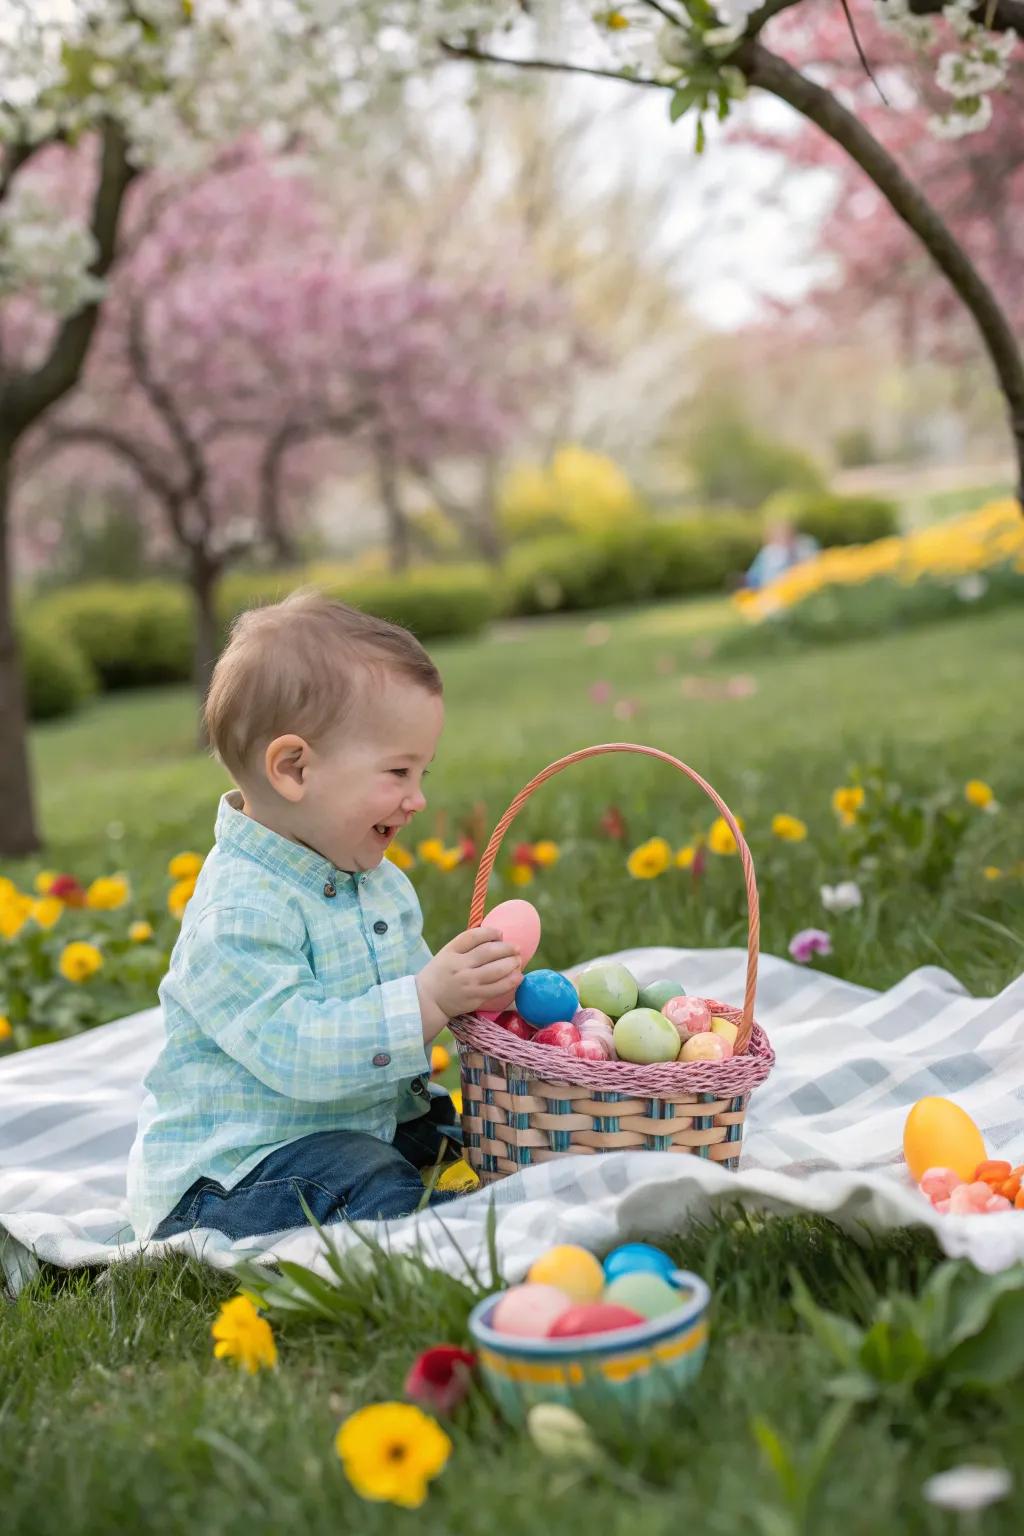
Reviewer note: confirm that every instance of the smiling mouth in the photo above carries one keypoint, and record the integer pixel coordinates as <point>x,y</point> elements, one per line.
<point>384,830</point>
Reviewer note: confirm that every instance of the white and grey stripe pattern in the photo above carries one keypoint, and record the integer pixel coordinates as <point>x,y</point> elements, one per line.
<point>822,1134</point>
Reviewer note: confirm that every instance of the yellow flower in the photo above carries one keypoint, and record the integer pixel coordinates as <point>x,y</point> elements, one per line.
<point>107,893</point>
<point>720,837</point>
<point>5,1029</point>
<point>686,856</point>
<point>399,856</point>
<point>79,961</point>
<point>15,911</point>
<point>431,850</point>
<point>789,828</point>
<point>846,802</point>
<point>179,896</point>
<point>139,932</point>
<point>992,872</point>
<point>650,859</point>
<point>456,1097</point>
<point>439,1059</point>
<point>47,910</point>
<point>390,1451</point>
<point>44,880</point>
<point>615,21</point>
<point>8,890</point>
<point>242,1335</point>
<point>978,793</point>
<point>450,858</point>
<point>520,874</point>
<point>546,853</point>
<point>185,866</point>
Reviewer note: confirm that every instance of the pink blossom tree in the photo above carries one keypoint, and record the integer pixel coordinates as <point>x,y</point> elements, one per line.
<point>240,351</point>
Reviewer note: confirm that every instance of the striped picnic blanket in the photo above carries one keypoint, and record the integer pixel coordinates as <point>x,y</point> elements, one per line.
<point>823,1134</point>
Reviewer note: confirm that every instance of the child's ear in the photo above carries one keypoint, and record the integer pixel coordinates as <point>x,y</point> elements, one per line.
<point>286,763</point>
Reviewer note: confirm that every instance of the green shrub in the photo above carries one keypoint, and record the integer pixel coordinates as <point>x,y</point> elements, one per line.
<point>732,465</point>
<point>58,677</point>
<point>433,601</point>
<point>664,559</point>
<point>133,635</point>
<point>833,519</point>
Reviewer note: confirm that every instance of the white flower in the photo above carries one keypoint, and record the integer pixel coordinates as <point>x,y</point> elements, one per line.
<point>957,125</point>
<point>842,897</point>
<point>967,1488</point>
<point>963,76</point>
<point>735,12</point>
<point>970,588</point>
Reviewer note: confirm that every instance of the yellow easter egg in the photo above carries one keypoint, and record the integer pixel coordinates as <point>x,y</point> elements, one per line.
<point>939,1134</point>
<point>570,1268</point>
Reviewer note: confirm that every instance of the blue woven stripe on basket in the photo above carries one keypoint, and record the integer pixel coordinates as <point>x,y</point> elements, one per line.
<point>704,1122</point>
<point>518,1085</point>
<point>493,1067</point>
<point>659,1109</point>
<point>607,1122</point>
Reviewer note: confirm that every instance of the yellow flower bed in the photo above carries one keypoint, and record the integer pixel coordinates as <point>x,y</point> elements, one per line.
<point>961,546</point>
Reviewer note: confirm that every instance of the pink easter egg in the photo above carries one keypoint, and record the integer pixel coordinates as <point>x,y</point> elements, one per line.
<point>529,1310</point>
<point>690,1015</point>
<point>591,1019</point>
<point>491,1015</point>
<point>590,1050</point>
<point>705,1047</point>
<point>558,1034</point>
<point>518,922</point>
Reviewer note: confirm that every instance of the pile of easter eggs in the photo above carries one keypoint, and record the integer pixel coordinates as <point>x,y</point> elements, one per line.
<point>568,1293</point>
<point>608,1015</point>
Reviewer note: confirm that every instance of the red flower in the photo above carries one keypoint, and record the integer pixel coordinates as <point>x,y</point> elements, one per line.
<point>439,1379</point>
<point>67,889</point>
<point>467,848</point>
<point>613,824</point>
<point>700,862</point>
<point>522,853</point>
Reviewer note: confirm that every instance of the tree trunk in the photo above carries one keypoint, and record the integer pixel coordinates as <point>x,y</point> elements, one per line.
<point>204,575</point>
<point>398,528</point>
<point>18,834</point>
<point>765,69</point>
<point>485,524</point>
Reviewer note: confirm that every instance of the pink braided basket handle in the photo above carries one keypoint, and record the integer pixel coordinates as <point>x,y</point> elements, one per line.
<point>476,910</point>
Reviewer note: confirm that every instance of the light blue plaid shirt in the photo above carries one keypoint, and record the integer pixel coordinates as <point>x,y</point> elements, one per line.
<point>290,1007</point>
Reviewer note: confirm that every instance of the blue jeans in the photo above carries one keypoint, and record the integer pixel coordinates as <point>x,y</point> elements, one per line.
<point>341,1175</point>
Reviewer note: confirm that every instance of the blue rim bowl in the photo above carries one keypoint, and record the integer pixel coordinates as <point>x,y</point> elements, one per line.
<point>632,1369</point>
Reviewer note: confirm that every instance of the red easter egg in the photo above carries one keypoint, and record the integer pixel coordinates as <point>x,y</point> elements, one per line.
<point>590,1050</point>
<point>557,1034</point>
<point>511,1021</point>
<point>593,1317</point>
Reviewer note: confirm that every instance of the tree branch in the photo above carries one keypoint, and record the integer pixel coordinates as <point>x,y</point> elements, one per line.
<point>17,155</point>
<point>122,446</point>
<point>289,435</point>
<point>28,395</point>
<point>996,15</point>
<point>820,107</point>
<point>556,66</point>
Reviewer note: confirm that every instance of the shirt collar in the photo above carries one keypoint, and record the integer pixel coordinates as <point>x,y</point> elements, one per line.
<point>292,861</point>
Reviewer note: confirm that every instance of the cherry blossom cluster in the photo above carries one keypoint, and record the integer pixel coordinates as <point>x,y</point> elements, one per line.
<point>969,72</point>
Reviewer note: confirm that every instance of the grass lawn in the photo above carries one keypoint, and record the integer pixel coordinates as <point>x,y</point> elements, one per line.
<point>113,1414</point>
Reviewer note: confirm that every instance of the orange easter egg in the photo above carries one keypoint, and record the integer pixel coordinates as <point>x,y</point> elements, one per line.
<point>939,1134</point>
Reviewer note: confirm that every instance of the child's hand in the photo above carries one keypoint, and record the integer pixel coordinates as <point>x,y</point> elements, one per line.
<point>475,970</point>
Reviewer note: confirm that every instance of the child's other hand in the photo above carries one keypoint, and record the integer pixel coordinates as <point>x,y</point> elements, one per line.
<point>474,971</point>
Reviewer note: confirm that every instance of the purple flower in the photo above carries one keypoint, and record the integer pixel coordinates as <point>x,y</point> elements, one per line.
<point>803,946</point>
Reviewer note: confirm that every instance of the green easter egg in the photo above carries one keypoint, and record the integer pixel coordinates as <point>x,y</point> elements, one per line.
<point>645,1293</point>
<point>608,987</point>
<point>644,1036</point>
<point>657,993</point>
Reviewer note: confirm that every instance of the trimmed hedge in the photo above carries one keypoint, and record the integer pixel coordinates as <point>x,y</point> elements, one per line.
<point>433,602</point>
<point>58,677</point>
<point>134,635</point>
<point>835,520</point>
<point>662,559</point>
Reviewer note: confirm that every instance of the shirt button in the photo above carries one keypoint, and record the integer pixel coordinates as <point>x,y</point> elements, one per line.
<point>330,889</point>
<point>380,926</point>
<point>382,1059</point>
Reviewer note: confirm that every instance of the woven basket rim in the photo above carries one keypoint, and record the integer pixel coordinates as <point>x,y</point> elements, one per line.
<point>550,1064</point>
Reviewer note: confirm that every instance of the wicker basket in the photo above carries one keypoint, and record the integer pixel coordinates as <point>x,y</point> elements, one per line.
<point>516,1113</point>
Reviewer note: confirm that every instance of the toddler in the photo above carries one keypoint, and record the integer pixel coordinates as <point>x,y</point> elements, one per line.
<point>301,998</point>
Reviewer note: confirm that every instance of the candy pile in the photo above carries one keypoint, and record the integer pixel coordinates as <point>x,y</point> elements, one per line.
<point>995,1187</point>
<point>569,1294</point>
<point>609,1016</point>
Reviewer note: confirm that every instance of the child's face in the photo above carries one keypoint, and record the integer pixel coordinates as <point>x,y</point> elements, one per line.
<point>364,783</point>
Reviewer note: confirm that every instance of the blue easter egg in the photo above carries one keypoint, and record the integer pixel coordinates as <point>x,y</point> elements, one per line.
<point>633,1258</point>
<point>546,997</point>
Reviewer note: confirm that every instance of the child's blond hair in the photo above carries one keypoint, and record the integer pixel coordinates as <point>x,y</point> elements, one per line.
<point>296,667</point>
